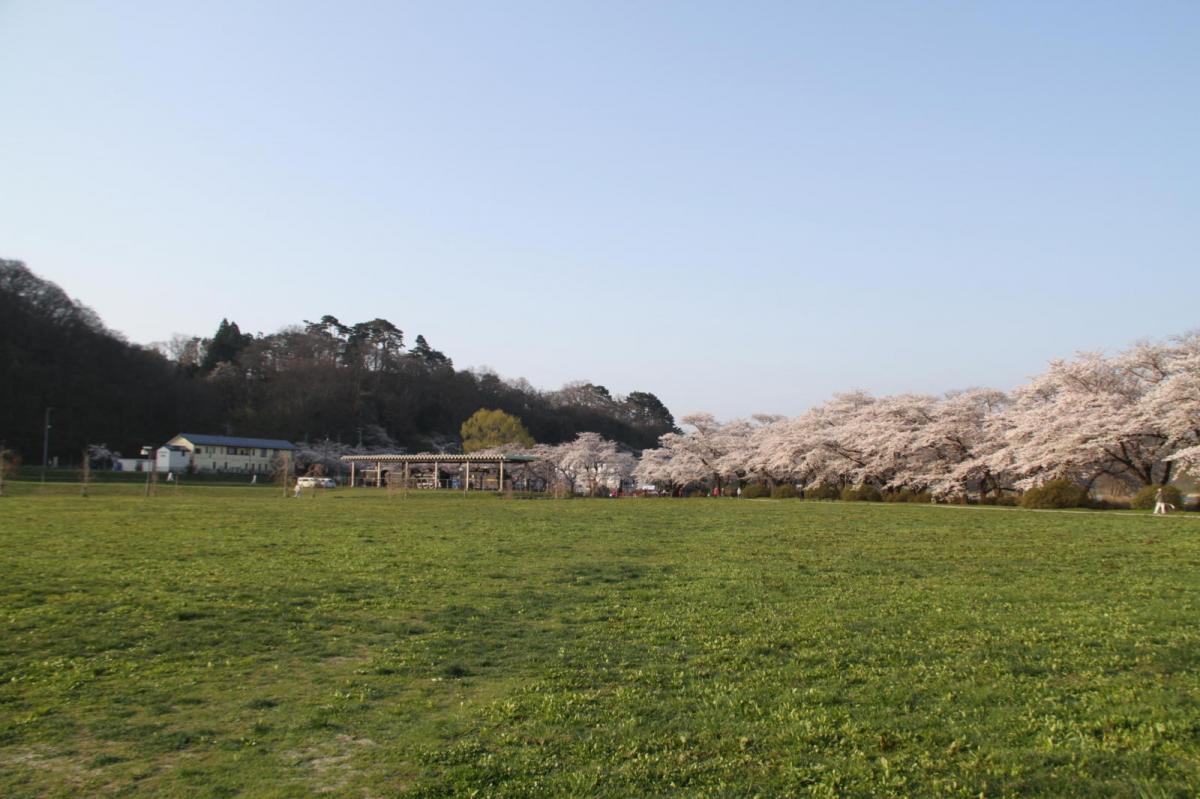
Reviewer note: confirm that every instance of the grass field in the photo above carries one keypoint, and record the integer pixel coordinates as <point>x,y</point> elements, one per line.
<point>230,642</point>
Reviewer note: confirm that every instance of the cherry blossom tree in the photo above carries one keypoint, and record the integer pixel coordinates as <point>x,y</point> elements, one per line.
<point>823,445</point>
<point>654,468</point>
<point>1091,416</point>
<point>590,460</point>
<point>958,446</point>
<point>1173,403</point>
<point>597,462</point>
<point>708,452</point>
<point>322,457</point>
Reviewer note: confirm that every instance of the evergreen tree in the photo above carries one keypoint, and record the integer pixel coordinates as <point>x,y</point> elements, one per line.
<point>226,343</point>
<point>646,410</point>
<point>428,355</point>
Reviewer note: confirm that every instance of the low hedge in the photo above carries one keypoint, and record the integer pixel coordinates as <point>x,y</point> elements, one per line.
<point>908,496</point>
<point>1055,494</point>
<point>1144,499</point>
<point>865,493</point>
<point>822,491</point>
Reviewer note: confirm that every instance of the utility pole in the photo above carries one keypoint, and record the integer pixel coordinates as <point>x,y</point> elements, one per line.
<point>285,471</point>
<point>46,444</point>
<point>87,471</point>
<point>152,473</point>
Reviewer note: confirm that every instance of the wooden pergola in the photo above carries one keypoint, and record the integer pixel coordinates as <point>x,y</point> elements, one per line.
<point>430,465</point>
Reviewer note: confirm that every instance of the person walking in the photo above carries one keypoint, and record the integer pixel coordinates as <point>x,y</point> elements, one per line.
<point>1160,504</point>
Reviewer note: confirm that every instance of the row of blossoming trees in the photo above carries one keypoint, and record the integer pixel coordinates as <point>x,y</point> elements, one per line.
<point>1134,417</point>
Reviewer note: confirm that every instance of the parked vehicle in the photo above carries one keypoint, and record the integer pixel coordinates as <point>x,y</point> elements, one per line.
<point>316,482</point>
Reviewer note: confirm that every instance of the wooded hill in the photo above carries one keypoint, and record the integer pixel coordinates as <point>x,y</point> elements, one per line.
<point>317,380</point>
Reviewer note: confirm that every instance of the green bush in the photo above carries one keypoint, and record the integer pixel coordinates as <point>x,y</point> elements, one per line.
<point>1144,499</point>
<point>865,493</point>
<point>822,491</point>
<point>755,490</point>
<point>784,491</point>
<point>915,497</point>
<point>1055,494</point>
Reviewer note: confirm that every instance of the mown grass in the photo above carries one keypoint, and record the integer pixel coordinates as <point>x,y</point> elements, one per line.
<point>230,642</point>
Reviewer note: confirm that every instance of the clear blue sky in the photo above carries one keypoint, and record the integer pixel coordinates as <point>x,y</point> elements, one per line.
<point>740,206</point>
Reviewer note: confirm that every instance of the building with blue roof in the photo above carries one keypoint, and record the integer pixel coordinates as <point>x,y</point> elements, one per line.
<point>201,452</point>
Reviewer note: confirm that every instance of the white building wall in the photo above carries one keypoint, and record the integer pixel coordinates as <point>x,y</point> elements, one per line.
<point>221,458</point>
<point>171,460</point>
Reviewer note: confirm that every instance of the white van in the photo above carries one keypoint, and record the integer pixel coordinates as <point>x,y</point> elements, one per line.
<point>316,482</point>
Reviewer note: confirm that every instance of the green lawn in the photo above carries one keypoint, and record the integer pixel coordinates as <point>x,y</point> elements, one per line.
<point>228,641</point>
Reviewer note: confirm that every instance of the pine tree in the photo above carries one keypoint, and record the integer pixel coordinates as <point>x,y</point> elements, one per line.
<point>225,345</point>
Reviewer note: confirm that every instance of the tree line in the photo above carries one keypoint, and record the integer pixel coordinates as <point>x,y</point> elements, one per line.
<point>359,383</point>
<point>1132,419</point>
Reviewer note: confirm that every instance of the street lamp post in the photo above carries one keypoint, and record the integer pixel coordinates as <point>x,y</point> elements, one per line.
<point>152,473</point>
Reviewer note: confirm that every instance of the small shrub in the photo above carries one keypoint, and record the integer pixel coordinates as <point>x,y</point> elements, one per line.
<point>755,490</point>
<point>915,497</point>
<point>784,491</point>
<point>822,491</point>
<point>865,493</point>
<point>1144,499</point>
<point>1055,494</point>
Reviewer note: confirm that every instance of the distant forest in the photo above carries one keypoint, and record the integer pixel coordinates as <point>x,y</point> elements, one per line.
<point>359,382</point>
